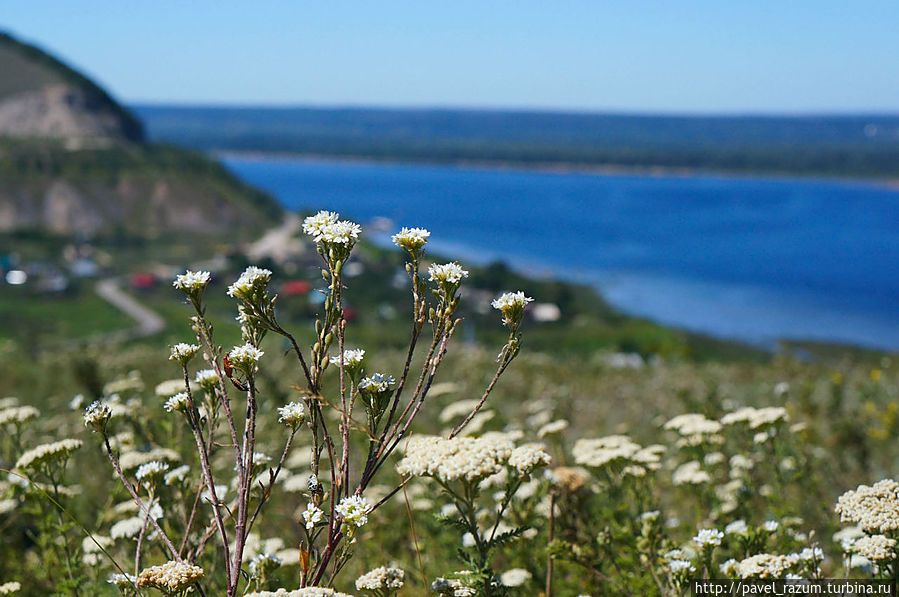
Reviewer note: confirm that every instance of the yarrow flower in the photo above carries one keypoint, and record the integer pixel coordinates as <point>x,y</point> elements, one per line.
<point>312,515</point>
<point>874,508</point>
<point>514,577</point>
<point>304,592</point>
<point>250,284</point>
<point>876,548</point>
<point>245,357</point>
<point>525,459</point>
<point>191,282</point>
<point>44,453</point>
<point>766,565</point>
<point>461,458</point>
<point>381,579</point>
<point>448,273</point>
<point>293,414</point>
<point>96,415</point>
<point>411,240</point>
<point>178,402</point>
<point>353,510</point>
<point>183,352</point>
<point>16,415</point>
<point>170,577</point>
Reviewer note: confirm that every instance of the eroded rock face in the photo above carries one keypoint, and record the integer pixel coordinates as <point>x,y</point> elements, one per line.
<point>59,112</point>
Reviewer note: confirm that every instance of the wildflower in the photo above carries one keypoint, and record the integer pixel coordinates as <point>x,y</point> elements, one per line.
<point>127,528</point>
<point>766,565</point>
<point>170,577</point>
<point>875,509</point>
<point>381,579</point>
<point>461,458</point>
<point>262,563</point>
<point>706,538</point>
<point>511,305</point>
<point>552,428</point>
<point>16,415</point>
<point>122,581</point>
<point>207,379</point>
<point>97,415</point>
<point>245,357</point>
<point>451,587</point>
<point>526,459</point>
<point>8,588</point>
<point>811,554</point>
<point>770,525</point>
<point>448,273</point>
<point>729,568</point>
<point>176,475</point>
<point>343,233</point>
<point>690,473</point>
<point>150,471</point>
<point>680,566</point>
<point>353,510</point>
<point>312,515</point>
<point>45,453</point>
<point>411,240</point>
<point>292,414</point>
<point>376,383</point>
<point>604,451</point>
<point>514,577</point>
<point>251,283</point>
<point>352,360</point>
<point>876,548</point>
<point>651,516</point>
<point>737,527</point>
<point>191,282</point>
<point>315,225</point>
<point>179,402</point>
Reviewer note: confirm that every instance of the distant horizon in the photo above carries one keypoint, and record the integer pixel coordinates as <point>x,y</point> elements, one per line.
<point>808,57</point>
<point>622,112</point>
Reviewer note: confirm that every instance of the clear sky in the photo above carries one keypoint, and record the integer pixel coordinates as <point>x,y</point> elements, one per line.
<point>626,55</point>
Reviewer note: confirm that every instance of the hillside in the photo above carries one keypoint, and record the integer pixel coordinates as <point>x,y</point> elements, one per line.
<point>73,161</point>
<point>832,145</point>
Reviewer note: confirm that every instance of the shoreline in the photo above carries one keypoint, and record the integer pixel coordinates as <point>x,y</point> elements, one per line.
<point>560,168</point>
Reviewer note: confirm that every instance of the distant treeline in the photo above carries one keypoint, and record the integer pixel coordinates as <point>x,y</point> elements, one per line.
<point>863,145</point>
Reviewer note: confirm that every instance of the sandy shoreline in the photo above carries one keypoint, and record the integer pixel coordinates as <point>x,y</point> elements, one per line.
<point>556,167</point>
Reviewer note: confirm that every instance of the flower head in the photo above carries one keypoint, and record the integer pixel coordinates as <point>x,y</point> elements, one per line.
<point>353,510</point>
<point>351,358</point>
<point>97,415</point>
<point>245,357</point>
<point>151,471</point>
<point>707,538</point>
<point>292,414</point>
<point>192,283</point>
<point>251,283</point>
<point>179,402</point>
<point>315,225</point>
<point>448,273</point>
<point>207,379</point>
<point>381,579</point>
<point>411,240</point>
<point>183,352</point>
<point>312,515</point>
<point>56,451</point>
<point>378,382</point>
<point>170,577</point>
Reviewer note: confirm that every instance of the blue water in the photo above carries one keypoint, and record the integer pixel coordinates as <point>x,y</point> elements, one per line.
<point>745,258</point>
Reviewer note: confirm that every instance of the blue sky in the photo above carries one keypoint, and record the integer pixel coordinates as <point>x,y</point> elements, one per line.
<point>629,55</point>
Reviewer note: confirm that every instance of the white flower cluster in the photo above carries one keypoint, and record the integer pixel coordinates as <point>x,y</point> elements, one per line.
<point>191,281</point>
<point>450,273</point>
<point>263,562</point>
<point>170,577</point>
<point>178,402</point>
<point>292,413</point>
<point>708,538</point>
<point>514,577</point>
<point>511,300</point>
<point>467,458</point>
<point>183,352</point>
<point>451,587</point>
<point>353,510</point>
<point>677,566</point>
<point>552,428</point>
<point>737,527</point>
<point>16,415</point>
<point>376,383</point>
<point>129,461</point>
<point>381,578</point>
<point>151,471</point>
<point>127,528</point>
<point>246,356</point>
<point>176,475</point>
<point>766,565</point>
<point>46,452</point>
<point>875,509</point>
<point>411,239</point>
<point>304,592</point>
<point>615,450</point>
<point>525,459</point>
<point>207,379</point>
<point>96,415</point>
<point>690,473</point>
<point>250,281</point>
<point>351,357</point>
<point>312,515</point>
<point>325,227</point>
<point>122,581</point>
<point>756,417</point>
<point>8,588</point>
<point>876,548</point>
<point>695,429</point>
